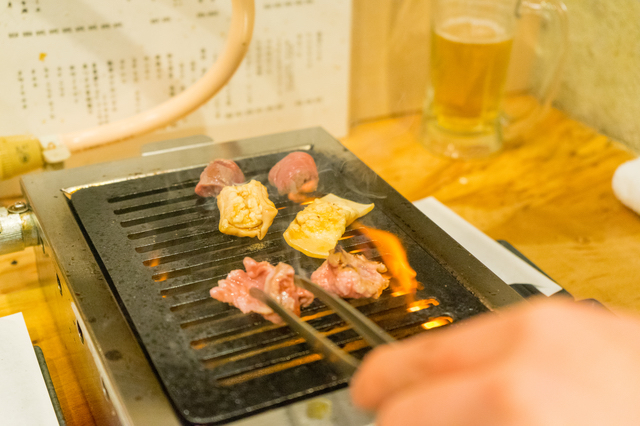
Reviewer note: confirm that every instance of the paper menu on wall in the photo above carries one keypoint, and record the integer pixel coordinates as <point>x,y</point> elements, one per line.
<point>73,64</point>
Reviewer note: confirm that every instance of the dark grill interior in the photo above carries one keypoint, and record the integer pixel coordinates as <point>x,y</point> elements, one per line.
<point>159,246</point>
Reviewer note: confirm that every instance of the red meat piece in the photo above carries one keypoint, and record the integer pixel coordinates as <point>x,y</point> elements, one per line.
<point>218,174</point>
<point>295,175</point>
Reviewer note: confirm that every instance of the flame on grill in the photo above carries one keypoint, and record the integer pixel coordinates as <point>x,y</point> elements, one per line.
<point>306,200</point>
<point>395,258</point>
<point>419,305</point>
<point>436,322</point>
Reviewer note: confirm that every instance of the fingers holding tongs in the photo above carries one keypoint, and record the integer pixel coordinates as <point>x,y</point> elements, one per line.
<point>343,361</point>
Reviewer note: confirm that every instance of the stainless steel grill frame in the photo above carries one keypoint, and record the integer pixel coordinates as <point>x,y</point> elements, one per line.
<point>108,350</point>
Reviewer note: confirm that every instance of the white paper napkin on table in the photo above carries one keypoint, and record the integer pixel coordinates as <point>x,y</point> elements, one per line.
<point>506,265</point>
<point>24,399</point>
<point>626,184</point>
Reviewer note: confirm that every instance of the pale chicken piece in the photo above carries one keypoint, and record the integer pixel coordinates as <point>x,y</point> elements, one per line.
<point>234,289</point>
<point>316,229</point>
<point>245,210</point>
<point>351,276</point>
<point>276,281</point>
<point>280,285</point>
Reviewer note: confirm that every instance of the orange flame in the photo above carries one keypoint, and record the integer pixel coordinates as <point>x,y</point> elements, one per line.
<point>395,258</point>
<point>422,304</point>
<point>304,200</point>
<point>437,322</point>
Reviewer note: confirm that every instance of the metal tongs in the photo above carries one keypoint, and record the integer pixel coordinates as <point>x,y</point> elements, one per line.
<point>345,363</point>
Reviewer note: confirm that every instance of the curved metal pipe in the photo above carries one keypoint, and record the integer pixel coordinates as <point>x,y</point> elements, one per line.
<point>214,79</point>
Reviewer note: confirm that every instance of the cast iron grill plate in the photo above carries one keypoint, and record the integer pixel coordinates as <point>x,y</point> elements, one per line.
<point>159,246</point>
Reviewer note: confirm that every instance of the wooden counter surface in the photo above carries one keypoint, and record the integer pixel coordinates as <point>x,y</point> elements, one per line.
<point>550,197</point>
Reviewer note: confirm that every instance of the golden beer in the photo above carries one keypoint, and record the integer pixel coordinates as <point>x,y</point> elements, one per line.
<point>469,60</point>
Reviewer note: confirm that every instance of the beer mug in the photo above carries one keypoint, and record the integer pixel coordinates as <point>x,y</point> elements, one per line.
<point>477,46</point>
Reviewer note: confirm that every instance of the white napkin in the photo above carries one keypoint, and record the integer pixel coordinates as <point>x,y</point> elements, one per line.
<point>24,399</point>
<point>506,265</point>
<point>626,184</point>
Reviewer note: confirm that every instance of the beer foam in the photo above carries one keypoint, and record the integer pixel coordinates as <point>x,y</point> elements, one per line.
<point>467,29</point>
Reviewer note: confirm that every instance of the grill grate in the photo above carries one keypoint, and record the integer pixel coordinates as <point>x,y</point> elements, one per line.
<point>160,248</point>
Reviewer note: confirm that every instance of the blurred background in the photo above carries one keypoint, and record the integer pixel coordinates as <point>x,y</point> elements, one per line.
<point>380,68</point>
<point>600,84</point>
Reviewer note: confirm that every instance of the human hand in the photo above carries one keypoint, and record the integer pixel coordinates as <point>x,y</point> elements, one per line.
<point>544,363</point>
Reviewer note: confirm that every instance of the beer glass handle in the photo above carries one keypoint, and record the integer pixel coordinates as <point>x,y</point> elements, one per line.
<point>554,14</point>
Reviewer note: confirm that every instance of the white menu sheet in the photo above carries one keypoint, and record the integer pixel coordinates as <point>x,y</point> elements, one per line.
<point>73,64</point>
<point>24,399</point>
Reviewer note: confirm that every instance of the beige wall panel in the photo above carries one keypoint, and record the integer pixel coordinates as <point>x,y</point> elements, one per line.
<point>389,57</point>
<point>601,85</point>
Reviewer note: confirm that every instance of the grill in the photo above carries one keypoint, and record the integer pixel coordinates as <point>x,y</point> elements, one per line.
<point>157,246</point>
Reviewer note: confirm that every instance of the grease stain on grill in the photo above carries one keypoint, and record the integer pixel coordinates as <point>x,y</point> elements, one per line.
<point>113,355</point>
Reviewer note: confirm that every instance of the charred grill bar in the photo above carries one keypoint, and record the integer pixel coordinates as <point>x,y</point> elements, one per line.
<point>154,246</point>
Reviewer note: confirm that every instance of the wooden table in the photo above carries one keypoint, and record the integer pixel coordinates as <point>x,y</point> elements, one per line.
<point>549,195</point>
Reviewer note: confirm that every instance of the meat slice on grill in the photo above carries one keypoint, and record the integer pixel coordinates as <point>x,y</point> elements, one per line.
<point>277,281</point>
<point>295,175</point>
<point>246,210</point>
<point>351,276</point>
<point>218,174</point>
